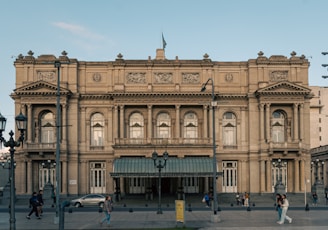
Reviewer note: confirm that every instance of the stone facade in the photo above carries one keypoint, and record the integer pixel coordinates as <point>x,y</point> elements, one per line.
<point>130,108</point>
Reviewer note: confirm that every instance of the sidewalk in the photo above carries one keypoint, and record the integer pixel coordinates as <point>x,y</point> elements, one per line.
<point>302,220</point>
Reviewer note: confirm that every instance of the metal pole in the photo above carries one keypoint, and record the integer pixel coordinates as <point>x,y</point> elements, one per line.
<point>58,125</point>
<point>214,151</point>
<point>159,211</point>
<point>12,184</point>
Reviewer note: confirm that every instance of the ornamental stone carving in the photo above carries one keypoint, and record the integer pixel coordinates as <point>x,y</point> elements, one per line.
<point>96,77</point>
<point>190,78</point>
<point>136,78</point>
<point>49,76</point>
<point>229,77</point>
<point>280,75</point>
<point>163,78</point>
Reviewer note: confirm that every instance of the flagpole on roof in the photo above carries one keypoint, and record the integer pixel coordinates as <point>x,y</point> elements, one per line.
<point>163,42</point>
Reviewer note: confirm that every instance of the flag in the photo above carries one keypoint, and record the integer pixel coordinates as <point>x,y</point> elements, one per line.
<point>163,41</point>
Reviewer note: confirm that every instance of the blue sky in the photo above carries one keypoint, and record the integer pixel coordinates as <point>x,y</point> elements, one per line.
<point>228,30</point>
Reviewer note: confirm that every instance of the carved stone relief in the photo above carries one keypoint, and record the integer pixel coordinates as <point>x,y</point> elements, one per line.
<point>49,76</point>
<point>229,77</point>
<point>280,75</point>
<point>136,78</point>
<point>190,78</point>
<point>96,77</point>
<point>163,78</point>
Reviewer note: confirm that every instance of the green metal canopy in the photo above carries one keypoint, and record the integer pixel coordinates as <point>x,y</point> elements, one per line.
<point>175,167</point>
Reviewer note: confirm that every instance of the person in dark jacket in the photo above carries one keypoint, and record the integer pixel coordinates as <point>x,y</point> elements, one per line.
<point>34,203</point>
<point>40,199</point>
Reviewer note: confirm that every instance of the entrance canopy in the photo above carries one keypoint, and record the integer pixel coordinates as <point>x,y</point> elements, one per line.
<point>175,167</point>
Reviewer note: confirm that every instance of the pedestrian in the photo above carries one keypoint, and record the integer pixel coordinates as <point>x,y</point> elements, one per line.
<point>40,199</point>
<point>207,200</point>
<point>278,205</point>
<point>107,210</point>
<point>315,199</point>
<point>246,199</point>
<point>326,196</point>
<point>284,205</point>
<point>34,203</point>
<point>238,199</point>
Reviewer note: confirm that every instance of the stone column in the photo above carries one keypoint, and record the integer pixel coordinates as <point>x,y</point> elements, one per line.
<point>261,106</point>
<point>64,178</point>
<point>268,176</point>
<point>29,123</point>
<point>301,131</point>
<point>115,123</point>
<point>29,178</point>
<point>262,177</point>
<point>150,123</point>
<point>268,119</point>
<point>296,176</point>
<point>177,121</point>
<point>122,121</point>
<point>205,123</point>
<point>295,108</point>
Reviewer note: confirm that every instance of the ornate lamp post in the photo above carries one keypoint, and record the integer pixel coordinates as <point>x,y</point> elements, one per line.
<point>318,186</point>
<point>215,216</point>
<point>48,188</point>
<point>21,122</point>
<point>159,164</point>
<point>279,187</point>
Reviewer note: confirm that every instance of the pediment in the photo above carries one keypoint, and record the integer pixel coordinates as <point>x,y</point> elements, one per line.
<point>40,88</point>
<point>284,88</point>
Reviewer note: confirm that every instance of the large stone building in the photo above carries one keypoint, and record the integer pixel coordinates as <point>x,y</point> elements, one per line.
<point>115,114</point>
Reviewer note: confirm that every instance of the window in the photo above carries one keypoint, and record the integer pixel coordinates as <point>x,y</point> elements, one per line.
<point>163,125</point>
<point>47,128</point>
<point>97,129</point>
<point>229,129</point>
<point>136,125</point>
<point>190,126</point>
<point>278,127</point>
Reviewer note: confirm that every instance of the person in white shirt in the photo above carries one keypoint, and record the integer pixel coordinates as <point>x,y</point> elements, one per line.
<point>284,205</point>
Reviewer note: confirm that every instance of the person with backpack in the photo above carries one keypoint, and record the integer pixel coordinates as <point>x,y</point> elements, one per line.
<point>34,202</point>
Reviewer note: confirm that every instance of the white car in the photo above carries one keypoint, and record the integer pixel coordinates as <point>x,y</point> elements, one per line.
<point>89,200</point>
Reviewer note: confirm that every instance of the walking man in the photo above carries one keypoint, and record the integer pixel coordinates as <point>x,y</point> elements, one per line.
<point>34,203</point>
<point>107,210</point>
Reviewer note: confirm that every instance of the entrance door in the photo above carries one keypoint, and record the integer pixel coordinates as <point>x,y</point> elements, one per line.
<point>279,173</point>
<point>191,185</point>
<point>229,176</point>
<point>46,173</point>
<point>137,185</point>
<point>97,177</point>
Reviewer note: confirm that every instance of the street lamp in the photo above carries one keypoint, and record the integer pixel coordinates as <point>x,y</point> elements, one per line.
<point>324,65</point>
<point>279,187</point>
<point>48,188</point>
<point>159,165</point>
<point>21,122</point>
<point>214,147</point>
<point>317,164</point>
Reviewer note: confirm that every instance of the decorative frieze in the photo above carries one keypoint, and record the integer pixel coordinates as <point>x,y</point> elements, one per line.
<point>163,78</point>
<point>190,78</point>
<point>228,77</point>
<point>279,75</point>
<point>49,76</point>
<point>136,78</point>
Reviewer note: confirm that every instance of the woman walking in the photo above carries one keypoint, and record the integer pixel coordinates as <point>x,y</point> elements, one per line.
<point>107,210</point>
<point>284,205</point>
<point>278,205</point>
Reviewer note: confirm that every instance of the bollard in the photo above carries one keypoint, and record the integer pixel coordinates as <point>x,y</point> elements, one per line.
<point>307,208</point>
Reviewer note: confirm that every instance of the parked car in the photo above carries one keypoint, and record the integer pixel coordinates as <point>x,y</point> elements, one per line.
<point>89,200</point>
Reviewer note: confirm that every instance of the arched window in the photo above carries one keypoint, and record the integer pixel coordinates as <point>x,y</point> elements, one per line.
<point>97,129</point>
<point>136,125</point>
<point>48,128</point>
<point>278,127</point>
<point>190,126</point>
<point>163,126</point>
<point>229,126</point>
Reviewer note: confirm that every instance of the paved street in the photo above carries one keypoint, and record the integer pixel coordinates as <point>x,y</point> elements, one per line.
<point>230,218</point>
